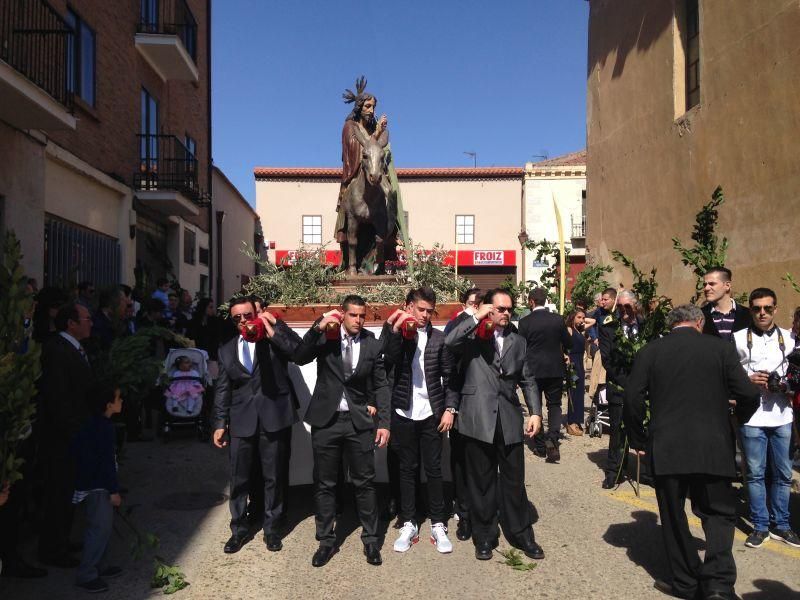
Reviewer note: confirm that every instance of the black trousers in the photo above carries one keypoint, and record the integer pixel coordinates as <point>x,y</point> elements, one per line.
<point>482,462</point>
<point>272,449</point>
<point>552,388</point>
<point>329,443</point>
<point>58,510</point>
<point>411,440</point>
<point>616,442</point>
<point>714,503</point>
<point>458,469</point>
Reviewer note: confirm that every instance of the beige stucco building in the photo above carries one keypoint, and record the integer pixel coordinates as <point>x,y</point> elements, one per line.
<point>480,208</point>
<point>556,183</point>
<point>235,226</point>
<point>683,96</point>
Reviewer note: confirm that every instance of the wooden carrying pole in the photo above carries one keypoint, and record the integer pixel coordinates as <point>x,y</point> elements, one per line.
<point>561,261</point>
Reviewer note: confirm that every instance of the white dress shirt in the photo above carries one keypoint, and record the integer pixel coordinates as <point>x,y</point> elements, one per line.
<point>343,406</point>
<point>420,408</point>
<point>765,355</point>
<point>252,347</point>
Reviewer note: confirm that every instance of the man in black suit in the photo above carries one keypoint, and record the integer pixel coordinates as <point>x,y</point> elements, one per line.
<point>625,318</point>
<point>63,408</point>
<point>255,407</point>
<point>547,342</point>
<point>689,379</point>
<point>490,420</point>
<point>351,390</point>
<point>723,316</point>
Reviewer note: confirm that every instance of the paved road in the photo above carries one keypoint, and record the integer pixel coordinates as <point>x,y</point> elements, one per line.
<point>599,544</point>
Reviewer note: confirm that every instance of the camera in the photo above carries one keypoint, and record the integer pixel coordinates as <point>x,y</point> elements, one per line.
<point>774,383</point>
<point>793,370</point>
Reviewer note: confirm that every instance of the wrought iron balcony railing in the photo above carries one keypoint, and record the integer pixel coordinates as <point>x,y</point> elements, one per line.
<point>578,228</point>
<point>166,164</point>
<point>171,17</point>
<point>34,40</point>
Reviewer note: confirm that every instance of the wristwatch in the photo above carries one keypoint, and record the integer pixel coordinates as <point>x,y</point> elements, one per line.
<point>451,410</point>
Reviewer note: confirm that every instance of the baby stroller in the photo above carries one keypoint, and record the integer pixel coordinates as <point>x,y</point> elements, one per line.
<point>186,378</point>
<point>598,414</point>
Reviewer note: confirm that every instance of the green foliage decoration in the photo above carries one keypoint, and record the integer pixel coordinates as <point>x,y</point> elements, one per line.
<point>708,250</point>
<point>19,361</point>
<point>653,309</point>
<point>550,279</point>
<point>795,285</point>
<point>513,559</point>
<point>589,282</point>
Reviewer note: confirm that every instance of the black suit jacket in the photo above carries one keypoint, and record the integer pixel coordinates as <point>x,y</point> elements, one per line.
<point>689,378</point>
<point>439,364</point>
<point>264,397</point>
<point>616,372</point>
<point>367,386</point>
<point>547,340</point>
<point>741,320</point>
<point>63,391</point>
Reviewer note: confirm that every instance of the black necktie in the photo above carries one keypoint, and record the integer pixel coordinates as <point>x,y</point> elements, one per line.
<point>347,359</point>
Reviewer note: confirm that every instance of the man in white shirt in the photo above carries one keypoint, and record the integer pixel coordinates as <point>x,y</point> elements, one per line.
<point>422,410</point>
<point>762,349</point>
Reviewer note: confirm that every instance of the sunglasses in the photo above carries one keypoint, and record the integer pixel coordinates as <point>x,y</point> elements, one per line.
<point>502,309</point>
<point>756,310</point>
<point>248,316</point>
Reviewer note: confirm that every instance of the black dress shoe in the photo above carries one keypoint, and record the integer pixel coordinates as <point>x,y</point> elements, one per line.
<point>19,568</point>
<point>529,547</point>
<point>666,588</point>
<point>553,454</point>
<point>609,483</point>
<point>64,561</point>
<point>323,555</point>
<point>273,542</point>
<point>464,529</point>
<point>373,554</point>
<point>484,550</point>
<point>234,544</point>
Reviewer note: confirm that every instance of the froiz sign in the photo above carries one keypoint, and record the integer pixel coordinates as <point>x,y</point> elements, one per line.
<point>487,257</point>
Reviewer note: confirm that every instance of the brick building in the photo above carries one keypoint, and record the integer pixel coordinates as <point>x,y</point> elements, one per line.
<point>105,137</point>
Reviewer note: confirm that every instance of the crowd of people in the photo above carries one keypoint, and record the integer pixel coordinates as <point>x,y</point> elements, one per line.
<point>721,378</point>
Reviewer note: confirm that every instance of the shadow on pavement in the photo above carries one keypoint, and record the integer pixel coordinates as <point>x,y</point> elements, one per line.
<point>642,541</point>
<point>771,590</point>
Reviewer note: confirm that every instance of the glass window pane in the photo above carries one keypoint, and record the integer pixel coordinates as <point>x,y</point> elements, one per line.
<point>87,64</point>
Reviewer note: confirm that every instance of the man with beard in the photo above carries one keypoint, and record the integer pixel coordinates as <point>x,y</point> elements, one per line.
<point>359,122</point>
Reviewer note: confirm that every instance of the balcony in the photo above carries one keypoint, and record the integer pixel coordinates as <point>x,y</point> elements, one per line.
<point>578,228</point>
<point>33,66</point>
<point>167,39</point>
<point>167,180</point>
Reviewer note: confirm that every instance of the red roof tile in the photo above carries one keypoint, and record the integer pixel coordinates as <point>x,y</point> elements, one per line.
<point>408,173</point>
<point>573,159</point>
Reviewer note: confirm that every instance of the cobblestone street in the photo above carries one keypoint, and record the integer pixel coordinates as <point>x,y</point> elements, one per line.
<point>598,544</point>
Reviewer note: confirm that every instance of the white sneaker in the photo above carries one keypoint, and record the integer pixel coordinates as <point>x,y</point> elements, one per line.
<point>439,538</point>
<point>409,534</point>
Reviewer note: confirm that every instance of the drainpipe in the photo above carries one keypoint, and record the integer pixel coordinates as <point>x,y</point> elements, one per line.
<point>211,271</point>
<point>220,219</point>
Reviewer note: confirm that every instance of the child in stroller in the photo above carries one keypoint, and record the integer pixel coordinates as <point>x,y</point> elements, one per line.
<point>185,392</point>
<point>185,381</point>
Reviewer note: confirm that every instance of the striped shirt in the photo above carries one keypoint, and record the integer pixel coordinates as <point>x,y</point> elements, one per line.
<point>724,321</point>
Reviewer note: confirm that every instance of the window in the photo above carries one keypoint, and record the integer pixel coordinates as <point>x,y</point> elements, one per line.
<point>692,54</point>
<point>312,229</point>
<point>203,256</point>
<point>189,244</point>
<point>148,144</point>
<point>465,229</point>
<point>149,16</point>
<point>204,291</point>
<point>80,59</point>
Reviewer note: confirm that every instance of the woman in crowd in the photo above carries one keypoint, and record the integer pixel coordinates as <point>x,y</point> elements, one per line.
<point>575,326</point>
<point>205,328</point>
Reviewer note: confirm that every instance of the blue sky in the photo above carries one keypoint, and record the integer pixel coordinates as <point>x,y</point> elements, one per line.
<point>505,79</point>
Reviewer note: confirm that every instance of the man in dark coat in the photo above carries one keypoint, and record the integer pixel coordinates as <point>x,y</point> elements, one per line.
<point>255,406</point>
<point>548,341</point>
<point>626,319</point>
<point>689,379</point>
<point>351,390</point>
<point>423,407</point>
<point>63,409</point>
<point>491,422</point>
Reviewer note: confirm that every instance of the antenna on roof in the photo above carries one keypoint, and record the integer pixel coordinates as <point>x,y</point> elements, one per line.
<point>474,156</point>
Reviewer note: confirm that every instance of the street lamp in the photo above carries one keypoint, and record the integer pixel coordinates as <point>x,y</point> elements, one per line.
<point>474,156</point>
<point>523,239</point>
